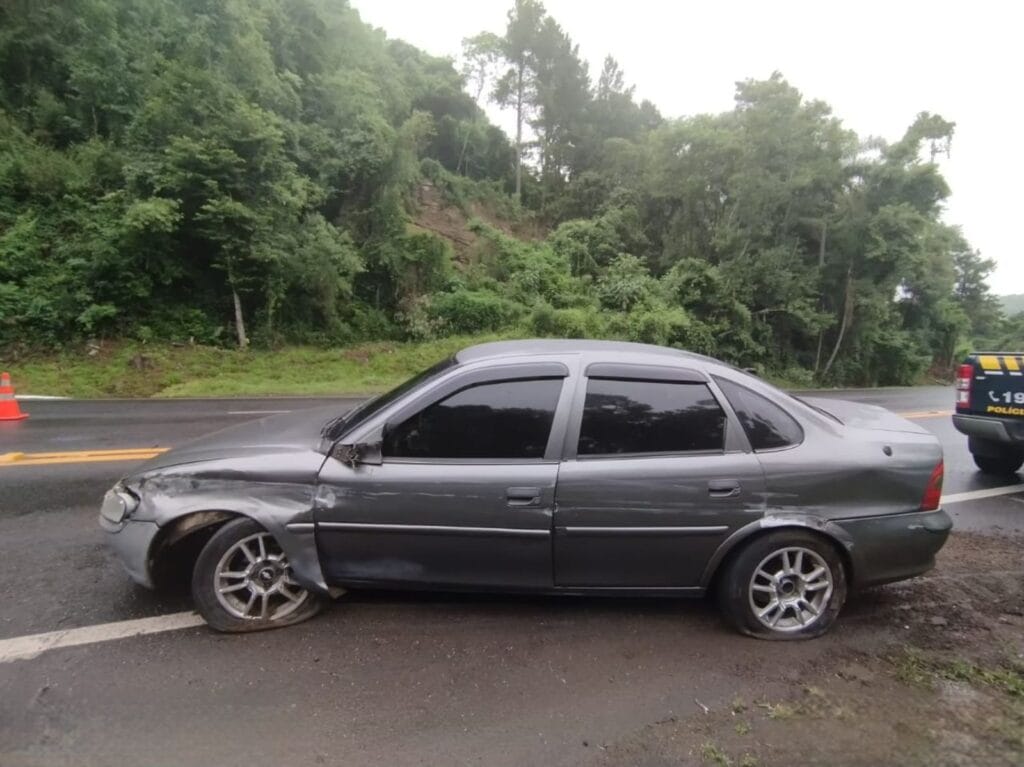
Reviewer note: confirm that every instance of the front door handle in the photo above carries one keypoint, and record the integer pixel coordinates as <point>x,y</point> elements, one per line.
<point>523,496</point>
<point>723,488</point>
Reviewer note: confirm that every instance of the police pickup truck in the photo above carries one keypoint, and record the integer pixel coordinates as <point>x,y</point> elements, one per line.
<point>990,409</point>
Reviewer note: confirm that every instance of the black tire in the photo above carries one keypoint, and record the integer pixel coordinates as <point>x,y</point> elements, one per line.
<point>269,577</point>
<point>738,595</point>
<point>1001,465</point>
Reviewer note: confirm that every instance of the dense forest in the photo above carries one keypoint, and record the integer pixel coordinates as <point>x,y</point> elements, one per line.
<point>234,172</point>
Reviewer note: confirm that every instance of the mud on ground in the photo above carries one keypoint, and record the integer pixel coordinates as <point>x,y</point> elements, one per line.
<point>928,672</point>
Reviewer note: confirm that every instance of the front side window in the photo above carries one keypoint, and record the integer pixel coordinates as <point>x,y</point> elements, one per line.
<point>768,426</point>
<point>358,415</point>
<point>504,419</point>
<point>625,416</point>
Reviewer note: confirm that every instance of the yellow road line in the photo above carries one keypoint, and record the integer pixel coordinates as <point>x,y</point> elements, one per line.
<point>80,456</point>
<point>926,414</point>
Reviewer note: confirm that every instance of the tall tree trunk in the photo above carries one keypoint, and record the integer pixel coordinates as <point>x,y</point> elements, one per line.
<point>847,316</point>
<point>821,299</point>
<point>462,152</point>
<point>519,129</point>
<point>243,341</point>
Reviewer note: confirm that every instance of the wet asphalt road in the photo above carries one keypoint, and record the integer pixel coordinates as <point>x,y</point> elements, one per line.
<point>378,678</point>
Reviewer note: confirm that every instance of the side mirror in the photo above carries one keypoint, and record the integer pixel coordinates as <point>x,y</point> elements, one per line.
<point>360,453</point>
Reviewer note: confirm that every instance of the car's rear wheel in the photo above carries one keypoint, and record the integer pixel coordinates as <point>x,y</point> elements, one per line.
<point>998,464</point>
<point>784,585</point>
<point>242,581</point>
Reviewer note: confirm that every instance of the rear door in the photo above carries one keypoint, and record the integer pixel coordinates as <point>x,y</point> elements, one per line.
<point>656,476</point>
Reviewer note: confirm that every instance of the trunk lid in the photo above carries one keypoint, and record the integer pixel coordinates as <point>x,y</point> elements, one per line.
<point>858,415</point>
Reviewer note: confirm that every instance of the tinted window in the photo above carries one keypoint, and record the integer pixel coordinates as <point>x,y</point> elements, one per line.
<point>767,425</point>
<point>508,419</point>
<point>649,417</point>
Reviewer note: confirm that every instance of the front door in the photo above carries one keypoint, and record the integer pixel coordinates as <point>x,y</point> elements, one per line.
<point>463,499</point>
<point>653,488</point>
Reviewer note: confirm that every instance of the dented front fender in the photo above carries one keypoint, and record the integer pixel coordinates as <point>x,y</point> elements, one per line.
<point>275,489</point>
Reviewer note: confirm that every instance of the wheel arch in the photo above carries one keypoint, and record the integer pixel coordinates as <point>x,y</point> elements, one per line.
<point>176,547</point>
<point>731,546</point>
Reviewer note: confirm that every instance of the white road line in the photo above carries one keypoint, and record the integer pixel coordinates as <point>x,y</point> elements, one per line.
<point>974,495</point>
<point>256,412</point>
<point>23,648</point>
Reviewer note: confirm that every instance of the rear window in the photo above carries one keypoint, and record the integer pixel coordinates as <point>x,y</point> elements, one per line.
<point>767,426</point>
<point>628,416</point>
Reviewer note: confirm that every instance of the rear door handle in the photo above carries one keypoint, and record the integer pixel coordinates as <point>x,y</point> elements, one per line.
<point>523,496</point>
<point>723,488</point>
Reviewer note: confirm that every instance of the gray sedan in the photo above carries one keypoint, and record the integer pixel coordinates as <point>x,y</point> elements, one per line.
<point>556,467</point>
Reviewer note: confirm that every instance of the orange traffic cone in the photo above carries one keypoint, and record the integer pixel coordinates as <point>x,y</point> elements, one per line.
<point>9,410</point>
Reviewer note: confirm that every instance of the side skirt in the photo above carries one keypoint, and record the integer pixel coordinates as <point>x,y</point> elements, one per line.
<point>579,591</point>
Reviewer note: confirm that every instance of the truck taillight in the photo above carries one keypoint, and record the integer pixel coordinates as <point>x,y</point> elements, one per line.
<point>964,374</point>
<point>933,492</point>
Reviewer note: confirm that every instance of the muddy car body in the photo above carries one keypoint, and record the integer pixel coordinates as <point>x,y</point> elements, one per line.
<point>575,467</point>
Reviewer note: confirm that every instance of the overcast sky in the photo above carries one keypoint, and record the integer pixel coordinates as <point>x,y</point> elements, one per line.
<point>877,64</point>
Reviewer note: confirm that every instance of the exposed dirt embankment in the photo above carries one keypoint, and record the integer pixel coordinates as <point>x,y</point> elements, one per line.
<point>437,215</point>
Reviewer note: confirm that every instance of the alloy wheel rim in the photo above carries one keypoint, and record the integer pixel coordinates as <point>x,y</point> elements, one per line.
<point>790,589</point>
<point>253,580</point>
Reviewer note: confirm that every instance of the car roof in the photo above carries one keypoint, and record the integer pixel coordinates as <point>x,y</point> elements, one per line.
<point>535,346</point>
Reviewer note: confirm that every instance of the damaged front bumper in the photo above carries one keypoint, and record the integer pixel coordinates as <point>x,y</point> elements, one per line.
<point>132,540</point>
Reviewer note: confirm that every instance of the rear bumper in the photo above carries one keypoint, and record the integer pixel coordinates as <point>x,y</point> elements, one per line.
<point>1005,430</point>
<point>894,547</point>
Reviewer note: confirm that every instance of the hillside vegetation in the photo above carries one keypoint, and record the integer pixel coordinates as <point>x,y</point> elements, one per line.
<point>1012,304</point>
<point>267,173</point>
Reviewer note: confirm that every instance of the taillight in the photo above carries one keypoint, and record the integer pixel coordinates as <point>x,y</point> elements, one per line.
<point>964,374</point>
<point>933,493</point>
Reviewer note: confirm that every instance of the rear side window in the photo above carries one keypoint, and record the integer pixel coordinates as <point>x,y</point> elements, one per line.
<point>505,419</point>
<point>767,425</point>
<point>625,416</point>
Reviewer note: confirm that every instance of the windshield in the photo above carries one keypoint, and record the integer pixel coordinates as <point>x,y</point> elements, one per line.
<point>334,429</point>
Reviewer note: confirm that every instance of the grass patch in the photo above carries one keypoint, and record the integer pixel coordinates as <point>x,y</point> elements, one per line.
<point>780,710</point>
<point>132,369</point>
<point>914,667</point>
<point>712,754</point>
<point>148,370</point>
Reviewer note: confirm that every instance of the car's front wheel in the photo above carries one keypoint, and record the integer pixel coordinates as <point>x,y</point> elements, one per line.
<point>784,585</point>
<point>242,581</point>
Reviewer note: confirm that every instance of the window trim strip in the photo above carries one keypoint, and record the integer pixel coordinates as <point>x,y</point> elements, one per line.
<point>645,530</point>
<point>621,371</point>
<point>371,527</point>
